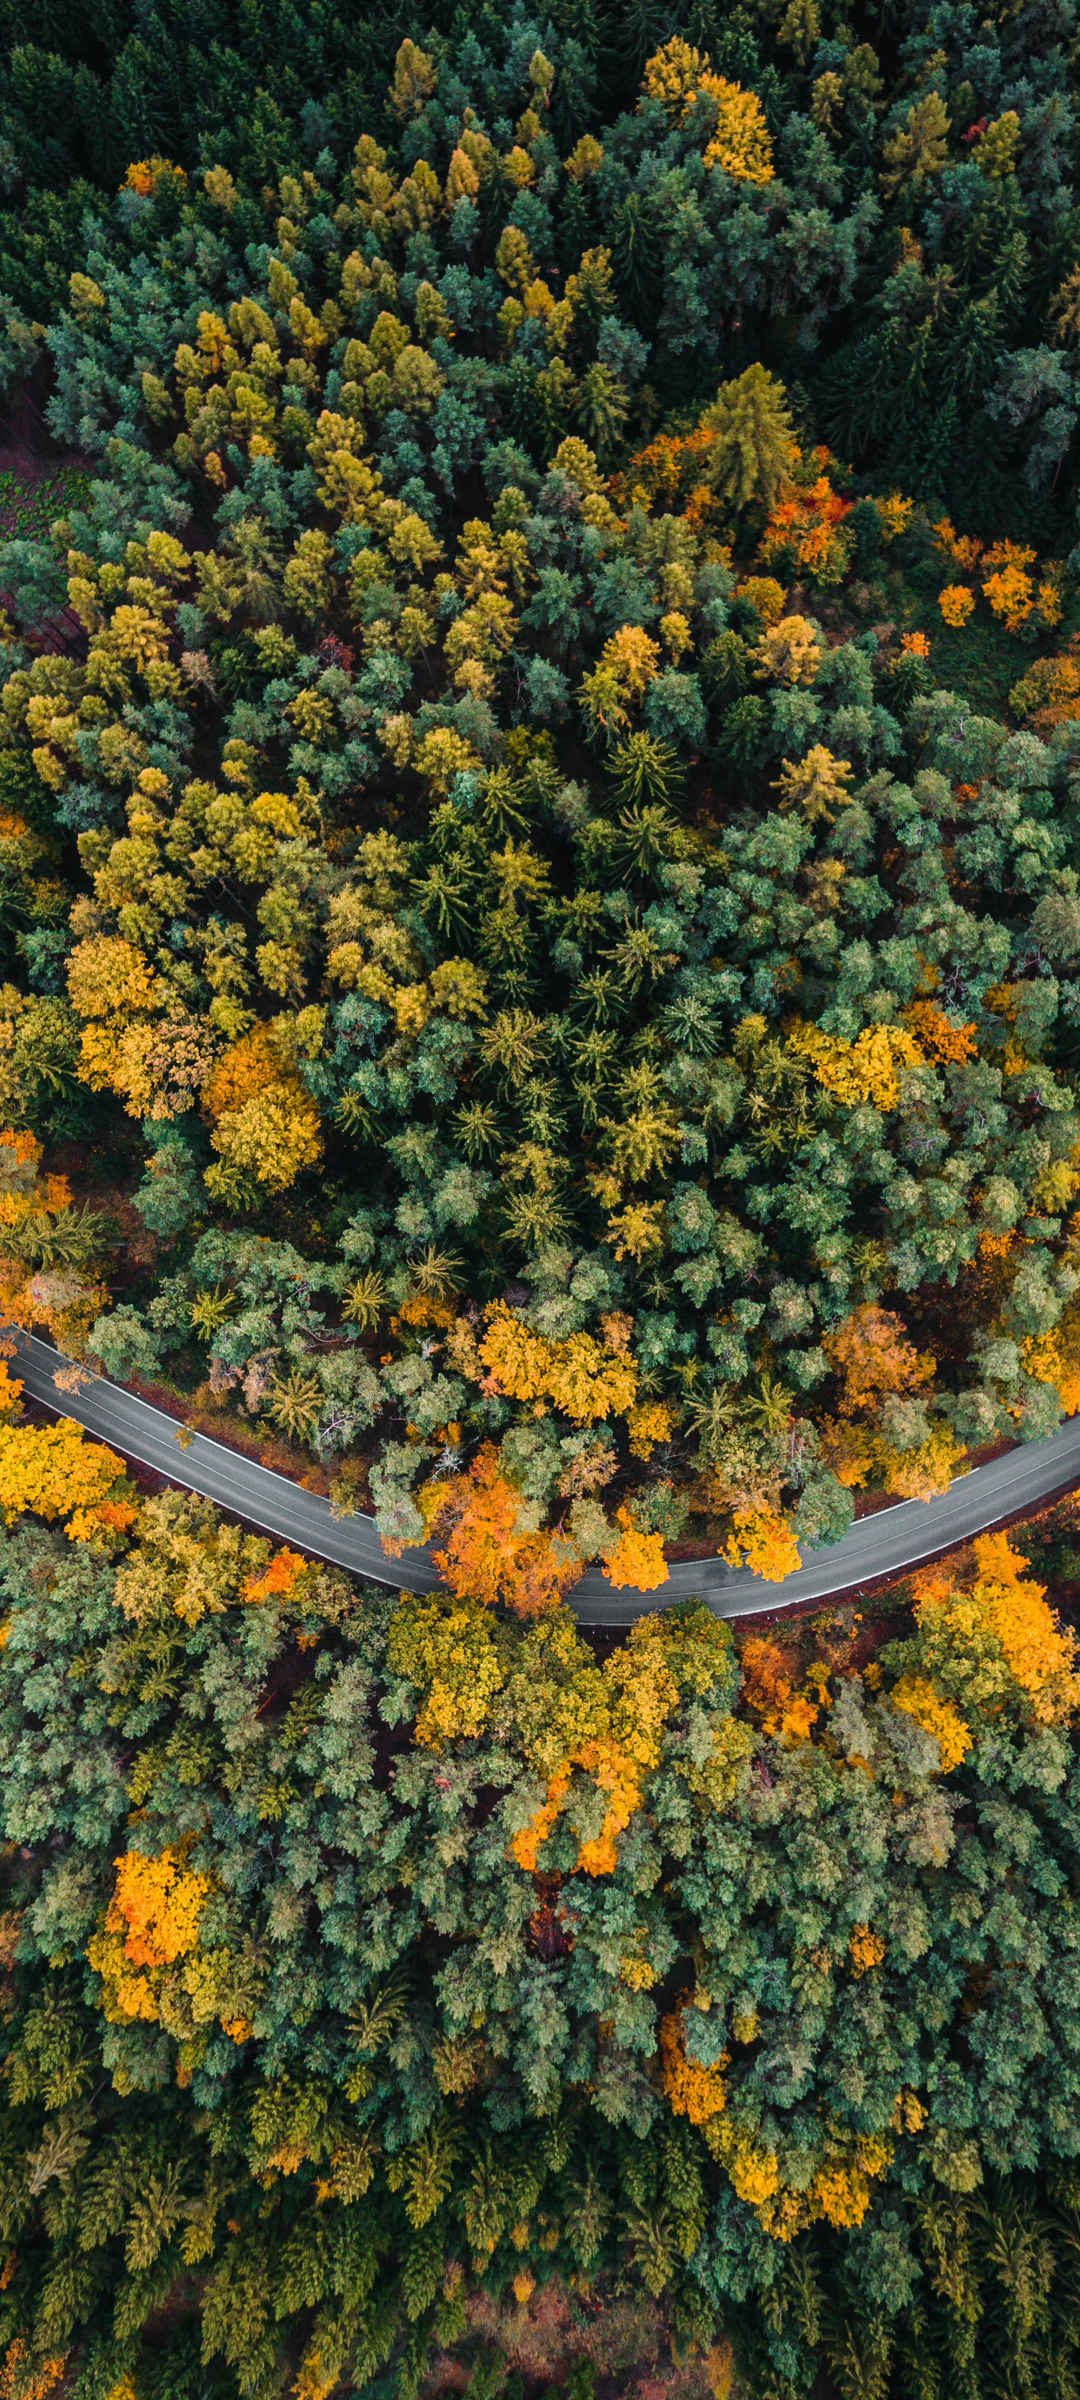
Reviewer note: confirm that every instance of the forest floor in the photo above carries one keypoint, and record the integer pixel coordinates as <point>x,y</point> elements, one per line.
<point>38,483</point>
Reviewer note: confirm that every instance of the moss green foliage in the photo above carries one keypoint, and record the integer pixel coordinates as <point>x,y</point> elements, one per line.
<point>577,970</point>
<point>539,732</point>
<point>951,358</point>
<point>324,2013</point>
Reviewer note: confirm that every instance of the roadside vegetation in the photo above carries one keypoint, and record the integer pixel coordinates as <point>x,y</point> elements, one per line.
<point>540,989</point>
<point>389,1982</point>
<point>555,892</point>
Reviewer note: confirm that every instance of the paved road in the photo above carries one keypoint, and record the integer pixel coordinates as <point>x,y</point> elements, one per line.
<point>884,1544</point>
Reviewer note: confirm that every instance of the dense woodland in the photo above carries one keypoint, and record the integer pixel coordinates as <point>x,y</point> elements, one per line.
<point>381,1971</point>
<point>539,989</point>
<point>585,1014</point>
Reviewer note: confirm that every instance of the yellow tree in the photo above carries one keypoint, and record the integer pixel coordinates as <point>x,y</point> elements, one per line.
<point>263,1119</point>
<point>55,1472</point>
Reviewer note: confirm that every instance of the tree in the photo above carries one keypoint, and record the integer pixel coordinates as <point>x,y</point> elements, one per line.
<point>752,442</point>
<point>993,1636</point>
<point>294,1403</point>
<point>124,1345</point>
<point>151,1922</point>
<point>918,148</point>
<point>167,1199</point>
<point>52,1471</point>
<point>47,1247</point>
<point>488,1547</point>
<point>764,1542</point>
<point>872,1353</point>
<point>585,1379</point>
<point>263,1121</point>
<point>638,1557</point>
<point>817,784</point>
<point>364,1300</point>
<point>682,79</point>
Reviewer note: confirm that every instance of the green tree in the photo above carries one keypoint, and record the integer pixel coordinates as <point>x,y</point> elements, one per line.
<point>753,436</point>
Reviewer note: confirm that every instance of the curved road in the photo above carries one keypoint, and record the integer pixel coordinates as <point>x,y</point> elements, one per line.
<point>895,1538</point>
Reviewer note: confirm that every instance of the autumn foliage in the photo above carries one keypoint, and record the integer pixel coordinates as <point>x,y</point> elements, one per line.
<point>872,1354</point>
<point>152,1921</point>
<point>764,1542</point>
<point>485,1546</point>
<point>638,1557</point>
<point>680,76</point>
<point>47,1247</point>
<point>585,1378</point>
<point>541,967</point>
<point>263,1122</point>
<point>55,1472</point>
<point>993,1636</point>
<point>444,1773</point>
<point>279,1579</point>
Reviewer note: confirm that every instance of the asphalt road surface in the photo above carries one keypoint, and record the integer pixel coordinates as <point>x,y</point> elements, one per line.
<point>884,1544</point>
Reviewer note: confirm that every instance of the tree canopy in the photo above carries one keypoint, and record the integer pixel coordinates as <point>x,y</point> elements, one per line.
<point>539,987</point>
<point>576,971</point>
<point>364,1953</point>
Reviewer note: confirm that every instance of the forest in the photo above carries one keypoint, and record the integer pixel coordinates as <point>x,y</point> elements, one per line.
<point>539,995</point>
<point>378,1971</point>
<point>581,1017</point>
